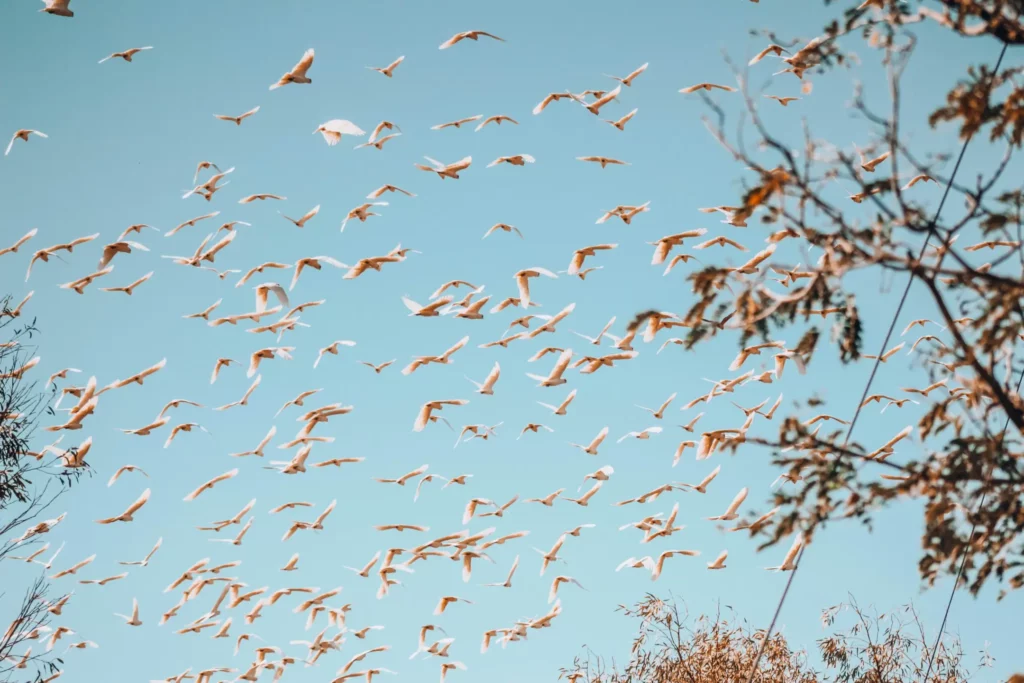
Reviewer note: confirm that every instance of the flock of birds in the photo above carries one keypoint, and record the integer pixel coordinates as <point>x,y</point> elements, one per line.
<point>231,609</point>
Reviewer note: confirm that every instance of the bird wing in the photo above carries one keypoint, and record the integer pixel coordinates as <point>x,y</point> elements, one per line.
<point>302,67</point>
<point>343,127</point>
<point>544,103</point>
<point>451,41</point>
<point>142,500</point>
<point>411,305</point>
<point>562,363</point>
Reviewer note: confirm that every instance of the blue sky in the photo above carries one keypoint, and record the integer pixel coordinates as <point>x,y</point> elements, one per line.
<point>124,140</point>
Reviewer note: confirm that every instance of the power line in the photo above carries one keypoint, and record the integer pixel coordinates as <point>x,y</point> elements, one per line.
<point>963,560</point>
<point>867,388</point>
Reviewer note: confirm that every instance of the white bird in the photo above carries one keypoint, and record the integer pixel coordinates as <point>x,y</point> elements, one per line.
<point>133,620</point>
<point>57,8</point>
<point>365,570</point>
<point>60,374</point>
<point>789,561</point>
<point>513,160</point>
<point>388,70</point>
<point>467,35</point>
<point>298,72</point>
<point>210,484</point>
<point>446,600</point>
<point>446,170</point>
<point>186,427</point>
<point>596,341</point>
<point>301,222</point>
<point>507,583</point>
<point>533,427</point>
<point>471,507</point>
<point>145,561</point>
<point>334,129</point>
<point>458,123</point>
<point>45,565</point>
<point>504,227</point>
<point>332,349</point>
<point>378,142</point>
<point>628,80</point>
<point>549,98</point>
<point>314,262</point>
<point>221,363</point>
<point>126,55</point>
<point>39,528</point>
<point>487,387</point>
<point>559,580</point>
<point>591,448</point>
<point>659,564</point>
<point>74,568</point>
<point>496,120</point>
<point>23,135</point>
<point>522,279</point>
<point>584,500</point>
<point>126,516</point>
<point>605,162</point>
<point>264,290</point>
<point>702,487</point>
<point>719,562</point>
<point>388,188</point>
<point>621,122</point>
<point>148,429</point>
<point>405,477</point>
<point>560,409</point>
<point>426,479</point>
<point>601,474</point>
<point>552,555</point>
<point>237,119</point>
<point>706,86</point>
<point>378,368</point>
<point>431,310</point>
<point>13,249</point>
<point>260,197</point>
<point>103,581</point>
<point>244,401</point>
<point>660,412</point>
<point>730,512</point>
<point>448,666</point>
<point>554,377</point>
<point>237,540</point>
<point>693,423</point>
<point>595,106</point>
<point>667,528</point>
<point>81,283</point>
<point>643,434</point>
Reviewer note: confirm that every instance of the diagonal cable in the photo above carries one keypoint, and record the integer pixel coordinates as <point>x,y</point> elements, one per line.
<point>867,387</point>
<point>963,560</point>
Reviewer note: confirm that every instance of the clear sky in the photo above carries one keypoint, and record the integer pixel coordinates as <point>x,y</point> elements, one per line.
<point>124,140</point>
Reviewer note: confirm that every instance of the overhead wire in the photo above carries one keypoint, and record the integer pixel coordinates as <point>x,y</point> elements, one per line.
<point>867,388</point>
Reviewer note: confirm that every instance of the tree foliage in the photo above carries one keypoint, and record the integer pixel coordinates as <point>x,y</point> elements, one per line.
<point>966,260</point>
<point>672,647</point>
<point>30,481</point>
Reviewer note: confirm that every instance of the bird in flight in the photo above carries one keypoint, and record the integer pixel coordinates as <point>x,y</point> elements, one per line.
<point>297,74</point>
<point>127,54</point>
<point>467,35</point>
